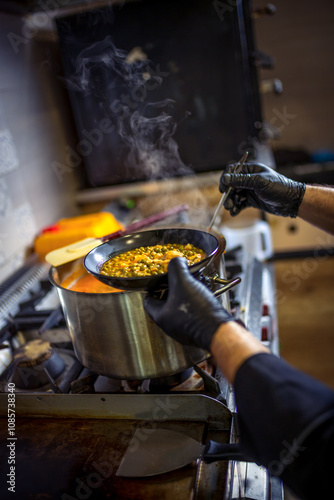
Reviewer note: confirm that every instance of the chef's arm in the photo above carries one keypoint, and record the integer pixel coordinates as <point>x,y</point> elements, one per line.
<point>317,207</point>
<point>286,422</point>
<point>232,345</point>
<point>262,187</point>
<point>286,418</point>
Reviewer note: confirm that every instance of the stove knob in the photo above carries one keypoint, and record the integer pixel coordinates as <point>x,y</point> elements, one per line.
<point>262,60</point>
<point>266,10</point>
<point>273,85</point>
<point>266,324</point>
<point>265,310</point>
<point>264,334</point>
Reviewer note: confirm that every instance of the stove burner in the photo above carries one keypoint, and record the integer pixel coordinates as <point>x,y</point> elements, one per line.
<point>166,383</point>
<point>33,353</point>
<point>34,362</point>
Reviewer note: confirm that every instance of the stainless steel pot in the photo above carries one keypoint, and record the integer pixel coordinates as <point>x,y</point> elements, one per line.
<point>113,335</point>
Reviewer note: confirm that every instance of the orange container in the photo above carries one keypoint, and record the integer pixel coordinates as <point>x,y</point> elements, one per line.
<point>73,229</point>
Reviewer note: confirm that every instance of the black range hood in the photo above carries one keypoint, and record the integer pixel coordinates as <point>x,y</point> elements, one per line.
<point>208,86</point>
<point>51,7</point>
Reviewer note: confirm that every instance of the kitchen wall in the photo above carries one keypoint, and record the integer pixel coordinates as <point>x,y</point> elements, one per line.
<point>300,37</point>
<point>35,129</point>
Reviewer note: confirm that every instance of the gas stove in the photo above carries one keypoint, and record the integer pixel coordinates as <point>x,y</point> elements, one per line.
<point>73,426</point>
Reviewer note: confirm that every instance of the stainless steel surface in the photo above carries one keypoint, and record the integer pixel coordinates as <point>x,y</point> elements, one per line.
<point>252,297</point>
<point>113,335</point>
<point>151,407</point>
<point>210,480</point>
<point>227,193</point>
<point>250,488</point>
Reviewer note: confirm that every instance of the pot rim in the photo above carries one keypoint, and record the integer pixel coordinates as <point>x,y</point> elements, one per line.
<point>101,254</point>
<point>220,251</point>
<point>53,271</point>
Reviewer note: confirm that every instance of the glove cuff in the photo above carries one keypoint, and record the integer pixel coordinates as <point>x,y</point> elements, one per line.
<point>203,336</point>
<point>295,196</point>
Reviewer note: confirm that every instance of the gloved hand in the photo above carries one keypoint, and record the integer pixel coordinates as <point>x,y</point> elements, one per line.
<point>261,187</point>
<point>191,313</point>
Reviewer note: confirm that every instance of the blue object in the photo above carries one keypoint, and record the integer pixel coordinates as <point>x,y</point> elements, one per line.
<point>322,156</point>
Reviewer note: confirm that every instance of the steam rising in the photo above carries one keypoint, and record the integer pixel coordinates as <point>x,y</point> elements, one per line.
<point>123,82</point>
<point>102,61</point>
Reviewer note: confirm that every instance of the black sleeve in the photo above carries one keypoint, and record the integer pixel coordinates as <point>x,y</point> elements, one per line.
<point>286,421</point>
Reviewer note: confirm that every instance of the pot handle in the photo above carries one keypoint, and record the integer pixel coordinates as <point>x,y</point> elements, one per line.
<point>214,451</point>
<point>228,284</point>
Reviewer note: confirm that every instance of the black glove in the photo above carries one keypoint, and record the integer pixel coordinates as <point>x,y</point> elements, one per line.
<point>191,313</point>
<point>261,187</point>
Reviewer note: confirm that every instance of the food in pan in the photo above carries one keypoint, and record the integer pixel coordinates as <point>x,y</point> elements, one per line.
<point>81,281</point>
<point>150,260</point>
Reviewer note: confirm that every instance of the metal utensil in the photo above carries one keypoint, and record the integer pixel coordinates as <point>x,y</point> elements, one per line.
<point>163,451</point>
<point>227,193</point>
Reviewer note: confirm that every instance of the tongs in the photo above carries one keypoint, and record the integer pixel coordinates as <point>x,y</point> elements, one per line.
<point>225,195</point>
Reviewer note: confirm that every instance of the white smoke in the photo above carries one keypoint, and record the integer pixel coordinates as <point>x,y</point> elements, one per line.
<point>123,81</point>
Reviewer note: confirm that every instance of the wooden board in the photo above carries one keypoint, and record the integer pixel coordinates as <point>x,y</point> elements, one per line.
<point>305,303</point>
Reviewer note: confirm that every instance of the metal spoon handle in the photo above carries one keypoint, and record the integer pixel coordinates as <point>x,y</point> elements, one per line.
<point>227,193</point>
<point>220,204</point>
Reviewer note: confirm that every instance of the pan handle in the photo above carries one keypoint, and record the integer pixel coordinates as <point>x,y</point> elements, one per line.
<point>214,451</point>
<point>227,284</point>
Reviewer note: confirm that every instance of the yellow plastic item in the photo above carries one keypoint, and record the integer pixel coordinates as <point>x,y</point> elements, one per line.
<point>73,229</point>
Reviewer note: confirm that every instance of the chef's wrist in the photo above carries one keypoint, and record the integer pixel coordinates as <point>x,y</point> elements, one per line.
<point>317,207</point>
<point>232,345</point>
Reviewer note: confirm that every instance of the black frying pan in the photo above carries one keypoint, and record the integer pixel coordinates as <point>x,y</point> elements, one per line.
<point>99,255</point>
